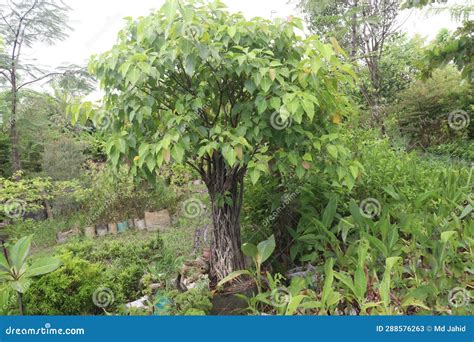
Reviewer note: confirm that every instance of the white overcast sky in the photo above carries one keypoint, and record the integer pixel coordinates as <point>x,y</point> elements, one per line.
<point>95,25</point>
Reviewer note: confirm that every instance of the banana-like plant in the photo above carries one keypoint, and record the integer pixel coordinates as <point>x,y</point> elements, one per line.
<point>17,272</point>
<point>259,255</point>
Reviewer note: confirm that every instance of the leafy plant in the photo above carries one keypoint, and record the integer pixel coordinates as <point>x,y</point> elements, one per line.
<point>18,273</point>
<point>259,255</point>
<point>223,88</point>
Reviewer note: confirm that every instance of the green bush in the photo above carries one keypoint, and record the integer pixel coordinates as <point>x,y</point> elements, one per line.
<point>67,291</point>
<point>195,302</point>
<point>418,223</point>
<point>423,109</point>
<point>124,251</point>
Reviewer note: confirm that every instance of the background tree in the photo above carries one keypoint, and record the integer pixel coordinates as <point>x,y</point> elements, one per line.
<point>22,24</point>
<point>228,96</point>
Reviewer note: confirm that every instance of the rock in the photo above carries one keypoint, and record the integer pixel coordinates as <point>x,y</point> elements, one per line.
<point>196,182</point>
<point>138,304</point>
<point>160,220</point>
<point>101,230</point>
<point>63,237</point>
<point>113,228</point>
<point>89,232</point>
<point>139,224</point>
<point>130,223</point>
<point>155,286</point>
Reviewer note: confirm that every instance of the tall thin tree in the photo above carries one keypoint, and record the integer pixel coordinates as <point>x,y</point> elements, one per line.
<point>22,24</point>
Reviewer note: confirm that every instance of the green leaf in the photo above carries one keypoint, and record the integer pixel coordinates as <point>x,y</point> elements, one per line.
<point>249,249</point>
<point>330,212</point>
<point>4,265</point>
<point>294,304</point>
<point>19,251</point>
<point>20,285</point>
<point>346,280</point>
<point>231,31</point>
<point>360,283</point>
<point>232,276</point>
<point>254,175</point>
<point>42,266</point>
<point>229,155</point>
<point>308,107</point>
<point>332,150</point>
<point>328,280</point>
<point>445,236</point>
<point>189,65</point>
<point>266,248</point>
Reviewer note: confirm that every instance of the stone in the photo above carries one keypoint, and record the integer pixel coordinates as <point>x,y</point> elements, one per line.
<point>158,220</point>
<point>112,228</point>
<point>63,237</point>
<point>138,304</point>
<point>89,232</point>
<point>102,230</point>
<point>139,224</point>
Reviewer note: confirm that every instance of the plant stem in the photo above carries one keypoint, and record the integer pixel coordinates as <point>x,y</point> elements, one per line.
<point>21,304</point>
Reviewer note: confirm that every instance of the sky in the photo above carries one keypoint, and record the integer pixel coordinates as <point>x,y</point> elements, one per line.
<point>95,25</point>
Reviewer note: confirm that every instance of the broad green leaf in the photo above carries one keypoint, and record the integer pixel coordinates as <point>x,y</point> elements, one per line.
<point>249,249</point>
<point>266,248</point>
<point>19,251</point>
<point>332,150</point>
<point>229,155</point>
<point>360,283</point>
<point>330,212</point>
<point>42,266</point>
<point>445,236</point>
<point>294,304</point>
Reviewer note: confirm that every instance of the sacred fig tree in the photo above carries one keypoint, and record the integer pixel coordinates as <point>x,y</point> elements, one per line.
<point>231,97</point>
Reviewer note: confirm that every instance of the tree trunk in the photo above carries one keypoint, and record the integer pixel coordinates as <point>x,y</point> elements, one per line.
<point>14,135</point>
<point>226,186</point>
<point>354,30</point>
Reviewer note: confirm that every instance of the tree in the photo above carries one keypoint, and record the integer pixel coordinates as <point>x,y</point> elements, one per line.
<point>195,84</point>
<point>362,27</point>
<point>22,24</point>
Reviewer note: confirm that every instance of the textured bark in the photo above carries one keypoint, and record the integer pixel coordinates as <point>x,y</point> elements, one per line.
<point>225,185</point>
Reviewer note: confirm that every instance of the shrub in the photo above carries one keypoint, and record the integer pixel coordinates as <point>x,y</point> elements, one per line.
<point>424,107</point>
<point>67,291</point>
